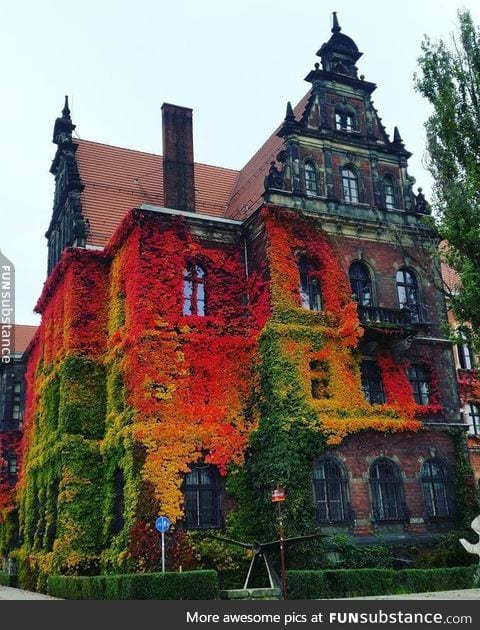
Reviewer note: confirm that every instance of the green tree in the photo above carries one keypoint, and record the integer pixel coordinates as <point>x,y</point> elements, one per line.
<point>449,78</point>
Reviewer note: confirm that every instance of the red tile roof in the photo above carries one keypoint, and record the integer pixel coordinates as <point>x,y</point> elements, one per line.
<point>23,336</point>
<point>247,194</point>
<point>451,279</point>
<point>117,180</point>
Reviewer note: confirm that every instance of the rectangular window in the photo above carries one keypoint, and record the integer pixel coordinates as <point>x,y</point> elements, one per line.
<point>472,418</point>
<point>372,385</point>
<point>12,466</point>
<point>420,382</point>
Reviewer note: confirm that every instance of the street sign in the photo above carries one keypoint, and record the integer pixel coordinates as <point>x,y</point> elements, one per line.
<point>278,495</point>
<point>162,524</point>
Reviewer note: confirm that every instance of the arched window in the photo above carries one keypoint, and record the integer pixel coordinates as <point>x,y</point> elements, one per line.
<point>350,185</point>
<point>407,292</point>
<point>388,192</point>
<point>386,485</point>
<point>330,489</point>
<point>465,355</point>
<point>310,179</point>
<point>194,299</point>
<point>309,286</point>
<point>420,381</point>
<point>437,487</point>
<point>201,498</point>
<point>372,384</point>
<point>361,283</point>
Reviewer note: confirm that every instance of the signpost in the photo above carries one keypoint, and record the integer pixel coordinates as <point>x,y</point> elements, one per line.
<point>161,525</point>
<point>278,497</point>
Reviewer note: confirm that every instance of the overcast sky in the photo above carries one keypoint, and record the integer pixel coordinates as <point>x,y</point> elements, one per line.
<point>235,63</point>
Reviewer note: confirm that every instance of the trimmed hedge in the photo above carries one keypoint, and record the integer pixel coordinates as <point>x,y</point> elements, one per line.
<point>188,585</point>
<point>366,582</point>
<point>7,580</point>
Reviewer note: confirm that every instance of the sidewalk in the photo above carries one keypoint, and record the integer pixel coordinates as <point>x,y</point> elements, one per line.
<point>16,593</point>
<point>473,593</point>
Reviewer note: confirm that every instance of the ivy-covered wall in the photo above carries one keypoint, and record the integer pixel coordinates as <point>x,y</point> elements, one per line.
<point>125,392</point>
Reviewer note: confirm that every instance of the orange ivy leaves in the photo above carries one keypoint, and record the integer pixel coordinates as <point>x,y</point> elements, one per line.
<point>290,236</point>
<point>188,378</point>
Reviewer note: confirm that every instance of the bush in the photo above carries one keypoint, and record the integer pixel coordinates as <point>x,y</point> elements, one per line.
<point>331,584</point>
<point>7,580</point>
<point>188,585</point>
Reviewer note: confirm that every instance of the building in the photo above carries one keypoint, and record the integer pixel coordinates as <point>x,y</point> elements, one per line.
<point>468,376</point>
<point>12,399</point>
<point>208,333</point>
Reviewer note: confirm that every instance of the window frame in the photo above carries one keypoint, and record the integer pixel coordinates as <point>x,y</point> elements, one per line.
<point>408,289</point>
<point>350,185</point>
<point>309,287</point>
<point>438,490</point>
<point>422,397</point>
<point>331,491</point>
<point>372,387</point>
<point>472,418</point>
<point>387,492</point>
<point>310,183</point>
<point>359,280</point>
<point>388,197</point>
<point>194,498</point>
<point>194,290</point>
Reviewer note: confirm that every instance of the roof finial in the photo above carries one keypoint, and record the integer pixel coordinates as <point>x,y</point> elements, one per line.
<point>397,139</point>
<point>289,115</point>
<point>336,28</point>
<point>66,110</point>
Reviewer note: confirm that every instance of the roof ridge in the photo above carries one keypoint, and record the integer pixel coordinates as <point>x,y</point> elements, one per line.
<point>115,146</point>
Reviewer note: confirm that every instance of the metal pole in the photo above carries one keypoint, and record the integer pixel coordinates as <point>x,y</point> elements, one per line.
<point>282,551</point>
<point>163,552</point>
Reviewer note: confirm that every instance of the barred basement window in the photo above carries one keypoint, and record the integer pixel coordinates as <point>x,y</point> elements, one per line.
<point>118,501</point>
<point>361,283</point>
<point>372,385</point>
<point>201,498</point>
<point>420,382</point>
<point>438,493</point>
<point>330,488</point>
<point>194,299</point>
<point>388,502</point>
<point>309,286</point>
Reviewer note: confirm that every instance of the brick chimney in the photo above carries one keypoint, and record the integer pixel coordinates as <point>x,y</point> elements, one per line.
<point>178,178</point>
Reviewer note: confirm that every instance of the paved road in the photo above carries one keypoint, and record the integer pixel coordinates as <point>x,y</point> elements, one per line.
<point>16,593</point>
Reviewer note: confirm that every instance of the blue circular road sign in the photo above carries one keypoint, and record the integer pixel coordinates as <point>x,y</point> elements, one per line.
<point>162,524</point>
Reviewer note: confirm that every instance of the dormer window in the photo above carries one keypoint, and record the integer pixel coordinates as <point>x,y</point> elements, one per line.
<point>344,119</point>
